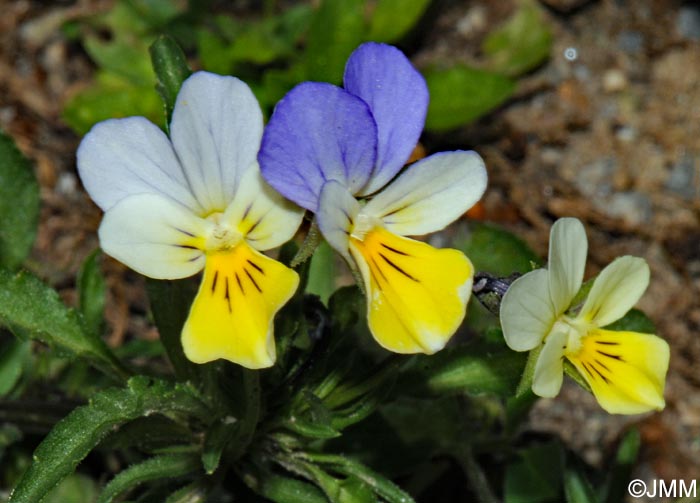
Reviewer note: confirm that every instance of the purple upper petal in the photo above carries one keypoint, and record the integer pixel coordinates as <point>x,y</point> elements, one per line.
<point>318,132</point>
<point>397,95</point>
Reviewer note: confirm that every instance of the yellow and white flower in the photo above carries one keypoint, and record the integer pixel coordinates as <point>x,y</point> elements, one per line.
<point>174,206</point>
<point>625,370</point>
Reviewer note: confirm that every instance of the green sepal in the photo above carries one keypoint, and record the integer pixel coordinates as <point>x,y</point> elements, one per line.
<point>170,66</point>
<point>528,375</point>
<point>166,466</point>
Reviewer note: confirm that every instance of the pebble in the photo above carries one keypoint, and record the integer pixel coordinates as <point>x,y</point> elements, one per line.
<point>682,178</point>
<point>595,179</point>
<point>633,207</point>
<point>614,80</point>
<point>630,41</point>
<point>688,22</point>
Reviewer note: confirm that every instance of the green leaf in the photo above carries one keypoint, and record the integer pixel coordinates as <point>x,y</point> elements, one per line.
<point>13,358</point>
<point>619,474</point>
<point>496,250</point>
<point>91,293</point>
<point>337,28</point>
<point>165,466</point>
<point>283,489</point>
<point>127,58</point>
<point>78,433</point>
<point>634,321</point>
<point>577,488</point>
<point>536,475</point>
<point>19,204</point>
<point>216,440</point>
<point>462,94</point>
<point>111,96</point>
<point>392,19</point>
<point>170,66</point>
<point>30,308</point>
<point>471,369</point>
<point>380,485</point>
<point>522,43</point>
<point>322,273</point>
<point>76,487</point>
<point>170,303</point>
<point>157,12</point>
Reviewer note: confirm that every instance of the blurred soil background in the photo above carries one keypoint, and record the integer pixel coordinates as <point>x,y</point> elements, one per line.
<point>607,130</point>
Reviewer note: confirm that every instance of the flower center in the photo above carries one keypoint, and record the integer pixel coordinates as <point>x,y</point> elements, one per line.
<point>574,329</point>
<point>364,224</point>
<point>223,237</point>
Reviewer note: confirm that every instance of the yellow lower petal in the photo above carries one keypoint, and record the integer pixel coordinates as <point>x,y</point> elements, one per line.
<point>232,315</point>
<point>416,294</point>
<point>626,370</point>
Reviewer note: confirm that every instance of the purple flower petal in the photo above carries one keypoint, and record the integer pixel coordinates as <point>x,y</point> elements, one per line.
<point>318,132</point>
<point>397,95</point>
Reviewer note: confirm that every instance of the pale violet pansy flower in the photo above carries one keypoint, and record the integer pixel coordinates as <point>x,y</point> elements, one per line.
<point>334,151</point>
<point>174,206</point>
<point>625,370</point>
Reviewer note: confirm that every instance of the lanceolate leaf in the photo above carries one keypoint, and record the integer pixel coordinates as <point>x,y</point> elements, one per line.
<point>472,369</point>
<point>19,204</point>
<point>91,291</point>
<point>159,467</point>
<point>79,432</point>
<point>170,66</point>
<point>30,308</point>
<point>462,94</point>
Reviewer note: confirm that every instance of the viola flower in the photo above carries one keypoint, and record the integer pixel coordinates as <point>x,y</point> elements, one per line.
<point>625,370</point>
<point>324,147</point>
<point>197,201</point>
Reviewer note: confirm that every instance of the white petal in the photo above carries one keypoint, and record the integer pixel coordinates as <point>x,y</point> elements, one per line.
<point>616,290</point>
<point>337,211</point>
<point>526,313</point>
<point>154,236</point>
<point>568,248</point>
<point>430,194</point>
<point>216,131</point>
<point>549,369</point>
<point>123,157</point>
<point>261,214</point>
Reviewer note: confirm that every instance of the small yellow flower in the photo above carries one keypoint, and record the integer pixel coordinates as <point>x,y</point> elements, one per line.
<point>625,370</point>
<point>197,201</point>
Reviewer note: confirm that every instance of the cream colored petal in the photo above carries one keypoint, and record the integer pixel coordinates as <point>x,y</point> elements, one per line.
<point>264,218</point>
<point>549,369</point>
<point>336,215</point>
<point>527,314</point>
<point>568,248</point>
<point>616,290</point>
<point>430,194</point>
<point>154,236</point>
